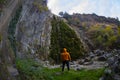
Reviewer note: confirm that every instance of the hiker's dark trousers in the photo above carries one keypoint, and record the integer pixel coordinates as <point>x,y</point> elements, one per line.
<point>63,65</point>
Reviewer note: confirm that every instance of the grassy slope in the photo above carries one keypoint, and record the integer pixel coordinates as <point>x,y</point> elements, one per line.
<point>30,70</point>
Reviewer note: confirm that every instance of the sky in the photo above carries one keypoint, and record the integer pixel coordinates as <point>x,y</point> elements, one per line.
<point>108,8</point>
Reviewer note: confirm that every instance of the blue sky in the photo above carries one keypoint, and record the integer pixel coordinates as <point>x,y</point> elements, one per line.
<point>108,8</point>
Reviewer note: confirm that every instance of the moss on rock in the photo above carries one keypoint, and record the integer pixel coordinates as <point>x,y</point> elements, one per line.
<point>0,37</point>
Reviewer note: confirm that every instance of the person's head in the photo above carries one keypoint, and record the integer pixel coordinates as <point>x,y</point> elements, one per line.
<point>64,50</point>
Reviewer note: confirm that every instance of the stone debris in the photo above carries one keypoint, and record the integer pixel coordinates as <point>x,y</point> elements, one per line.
<point>13,71</point>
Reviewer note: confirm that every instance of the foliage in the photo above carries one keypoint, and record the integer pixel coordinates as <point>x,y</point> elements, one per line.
<point>119,31</point>
<point>31,70</point>
<point>66,15</point>
<point>104,37</point>
<point>61,14</point>
<point>63,36</point>
<point>40,7</point>
<point>2,1</point>
<point>12,27</point>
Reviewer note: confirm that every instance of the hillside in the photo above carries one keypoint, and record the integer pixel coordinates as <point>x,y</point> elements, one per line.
<point>97,31</point>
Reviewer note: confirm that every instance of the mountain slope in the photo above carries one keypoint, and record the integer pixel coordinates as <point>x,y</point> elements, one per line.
<point>96,31</point>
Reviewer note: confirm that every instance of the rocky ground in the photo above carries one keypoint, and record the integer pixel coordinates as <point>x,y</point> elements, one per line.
<point>95,60</point>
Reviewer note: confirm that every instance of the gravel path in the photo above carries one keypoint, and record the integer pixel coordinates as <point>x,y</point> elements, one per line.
<point>74,65</point>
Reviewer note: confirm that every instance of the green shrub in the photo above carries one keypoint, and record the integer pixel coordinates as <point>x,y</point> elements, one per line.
<point>40,7</point>
<point>104,37</point>
<point>2,1</point>
<point>31,70</point>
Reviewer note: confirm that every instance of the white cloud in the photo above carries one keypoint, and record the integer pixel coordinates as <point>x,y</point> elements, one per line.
<point>83,7</point>
<point>53,6</point>
<point>107,8</point>
<point>61,5</point>
<point>115,11</point>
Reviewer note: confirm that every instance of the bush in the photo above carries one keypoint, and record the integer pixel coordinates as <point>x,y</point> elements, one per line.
<point>2,1</point>
<point>104,37</point>
<point>40,7</point>
<point>31,70</point>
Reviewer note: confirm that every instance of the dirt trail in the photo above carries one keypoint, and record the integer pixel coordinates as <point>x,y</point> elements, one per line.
<point>76,66</point>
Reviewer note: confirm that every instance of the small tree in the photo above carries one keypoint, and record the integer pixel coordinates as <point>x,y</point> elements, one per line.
<point>61,14</point>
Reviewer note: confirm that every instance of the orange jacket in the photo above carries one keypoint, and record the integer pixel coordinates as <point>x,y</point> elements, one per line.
<point>65,55</point>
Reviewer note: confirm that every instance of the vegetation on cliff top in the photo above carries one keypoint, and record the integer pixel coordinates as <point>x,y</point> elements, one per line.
<point>40,7</point>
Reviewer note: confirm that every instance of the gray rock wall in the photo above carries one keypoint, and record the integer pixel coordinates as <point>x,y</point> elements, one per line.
<point>7,57</point>
<point>33,31</point>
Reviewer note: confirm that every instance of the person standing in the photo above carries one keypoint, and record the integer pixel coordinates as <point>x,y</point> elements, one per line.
<point>65,56</point>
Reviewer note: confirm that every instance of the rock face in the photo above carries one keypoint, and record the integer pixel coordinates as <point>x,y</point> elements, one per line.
<point>33,30</point>
<point>7,57</point>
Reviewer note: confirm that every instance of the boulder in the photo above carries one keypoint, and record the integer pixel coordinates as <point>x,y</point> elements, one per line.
<point>87,59</point>
<point>91,55</point>
<point>107,75</point>
<point>13,71</point>
<point>78,69</point>
<point>102,58</point>
<point>110,61</point>
<point>116,77</point>
<point>88,63</point>
<point>81,61</point>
